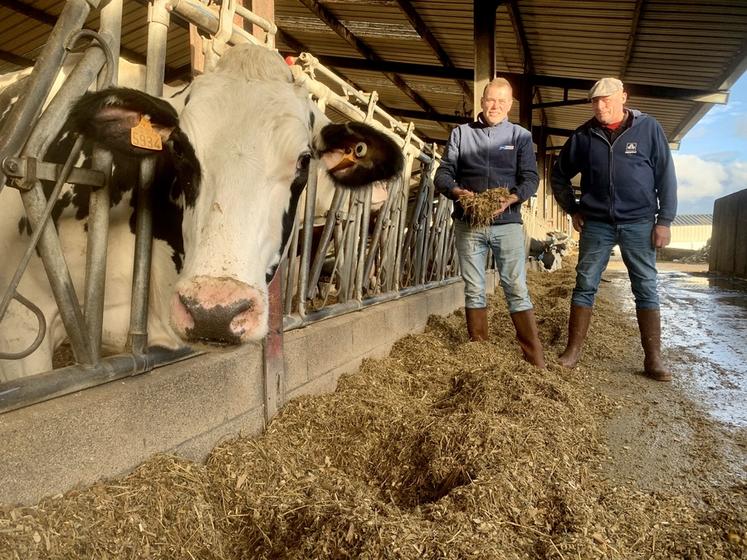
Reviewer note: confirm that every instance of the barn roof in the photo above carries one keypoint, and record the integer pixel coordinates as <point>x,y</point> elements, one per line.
<point>677,57</point>
<point>693,220</point>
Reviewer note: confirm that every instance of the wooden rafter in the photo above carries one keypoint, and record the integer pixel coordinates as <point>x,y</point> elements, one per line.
<point>422,29</point>
<point>339,28</point>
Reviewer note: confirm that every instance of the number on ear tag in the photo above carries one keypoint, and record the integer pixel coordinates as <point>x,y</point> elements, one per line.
<point>143,136</point>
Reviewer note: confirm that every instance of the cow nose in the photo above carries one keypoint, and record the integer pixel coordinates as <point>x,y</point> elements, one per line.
<point>216,310</point>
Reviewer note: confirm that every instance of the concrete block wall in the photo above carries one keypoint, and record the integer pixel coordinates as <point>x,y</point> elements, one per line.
<point>188,407</point>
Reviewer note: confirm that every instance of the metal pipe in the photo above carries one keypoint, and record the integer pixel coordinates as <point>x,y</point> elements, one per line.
<point>292,268</point>
<point>96,252</point>
<point>352,229</point>
<point>378,227</point>
<point>363,241</point>
<point>198,14</point>
<point>403,216</point>
<point>110,25</point>
<point>58,274</point>
<point>321,252</point>
<point>137,339</point>
<point>308,232</point>
<point>259,21</point>
<point>340,103</point>
<point>13,134</point>
<point>53,119</point>
<point>38,388</point>
<point>42,218</point>
<point>293,322</point>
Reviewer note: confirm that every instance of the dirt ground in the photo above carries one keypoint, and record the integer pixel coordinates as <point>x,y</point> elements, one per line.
<point>448,449</point>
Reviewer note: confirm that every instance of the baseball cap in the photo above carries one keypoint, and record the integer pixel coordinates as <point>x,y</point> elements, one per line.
<point>604,87</point>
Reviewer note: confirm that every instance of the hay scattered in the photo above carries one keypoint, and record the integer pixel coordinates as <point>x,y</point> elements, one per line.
<point>481,207</point>
<point>445,449</point>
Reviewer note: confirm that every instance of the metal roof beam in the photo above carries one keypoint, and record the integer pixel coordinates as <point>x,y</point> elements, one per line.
<point>48,19</point>
<point>16,59</point>
<point>642,90</point>
<point>338,27</point>
<point>425,70</point>
<point>29,11</point>
<point>551,131</point>
<point>428,116</point>
<point>563,103</point>
<point>640,5</point>
<point>429,71</point>
<point>422,29</point>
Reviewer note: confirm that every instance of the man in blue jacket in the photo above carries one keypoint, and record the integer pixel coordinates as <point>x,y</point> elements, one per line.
<point>486,154</point>
<point>628,198</point>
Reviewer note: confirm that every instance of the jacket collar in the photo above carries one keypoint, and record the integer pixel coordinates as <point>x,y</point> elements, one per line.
<point>483,124</point>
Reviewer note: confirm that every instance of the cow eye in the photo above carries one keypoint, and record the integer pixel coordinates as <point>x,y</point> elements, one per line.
<point>303,161</point>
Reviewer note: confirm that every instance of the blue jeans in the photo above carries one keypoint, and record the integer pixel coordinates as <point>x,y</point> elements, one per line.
<point>507,243</point>
<point>638,253</point>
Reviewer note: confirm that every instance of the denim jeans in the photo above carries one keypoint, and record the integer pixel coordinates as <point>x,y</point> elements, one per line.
<point>638,253</point>
<point>507,243</point>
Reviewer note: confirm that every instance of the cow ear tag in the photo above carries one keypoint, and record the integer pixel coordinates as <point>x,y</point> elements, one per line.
<point>143,136</point>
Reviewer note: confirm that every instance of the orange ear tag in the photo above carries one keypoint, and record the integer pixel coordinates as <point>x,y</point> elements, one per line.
<point>143,136</point>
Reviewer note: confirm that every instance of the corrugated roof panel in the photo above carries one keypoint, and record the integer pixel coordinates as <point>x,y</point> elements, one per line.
<point>693,220</point>
<point>684,43</point>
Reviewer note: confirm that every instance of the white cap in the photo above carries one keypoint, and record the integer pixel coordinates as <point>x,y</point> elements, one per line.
<point>605,87</point>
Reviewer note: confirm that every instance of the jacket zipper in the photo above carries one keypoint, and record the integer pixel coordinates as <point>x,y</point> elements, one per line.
<point>611,168</point>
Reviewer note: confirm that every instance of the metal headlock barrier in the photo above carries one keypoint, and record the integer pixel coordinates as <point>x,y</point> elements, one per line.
<point>360,257</point>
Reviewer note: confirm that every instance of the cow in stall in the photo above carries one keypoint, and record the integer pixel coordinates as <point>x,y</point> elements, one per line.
<point>235,159</point>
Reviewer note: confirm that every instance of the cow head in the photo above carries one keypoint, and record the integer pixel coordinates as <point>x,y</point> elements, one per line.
<point>239,156</point>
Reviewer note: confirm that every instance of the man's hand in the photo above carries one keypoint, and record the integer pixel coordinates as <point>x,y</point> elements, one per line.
<point>578,221</point>
<point>460,192</point>
<point>661,236</point>
<point>512,198</point>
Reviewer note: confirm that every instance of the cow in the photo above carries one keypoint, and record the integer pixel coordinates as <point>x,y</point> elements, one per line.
<point>237,143</point>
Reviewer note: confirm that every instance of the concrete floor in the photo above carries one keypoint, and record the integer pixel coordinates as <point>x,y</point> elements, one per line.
<point>704,324</point>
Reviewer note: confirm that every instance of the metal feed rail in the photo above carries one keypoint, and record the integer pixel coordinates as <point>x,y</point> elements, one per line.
<point>404,255</point>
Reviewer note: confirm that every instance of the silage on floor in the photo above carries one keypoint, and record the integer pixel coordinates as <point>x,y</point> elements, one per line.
<point>445,449</point>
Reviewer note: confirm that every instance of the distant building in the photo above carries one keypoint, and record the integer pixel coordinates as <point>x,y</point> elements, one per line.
<point>691,231</point>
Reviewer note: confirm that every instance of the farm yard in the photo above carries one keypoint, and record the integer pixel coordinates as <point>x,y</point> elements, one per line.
<point>444,449</point>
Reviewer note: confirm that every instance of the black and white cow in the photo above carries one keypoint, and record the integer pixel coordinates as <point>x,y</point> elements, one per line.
<point>235,160</point>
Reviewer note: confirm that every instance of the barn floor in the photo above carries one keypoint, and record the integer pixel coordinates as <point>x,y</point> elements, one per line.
<point>694,431</point>
<point>454,450</point>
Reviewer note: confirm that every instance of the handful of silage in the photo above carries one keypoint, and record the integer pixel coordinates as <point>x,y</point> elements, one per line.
<point>481,207</point>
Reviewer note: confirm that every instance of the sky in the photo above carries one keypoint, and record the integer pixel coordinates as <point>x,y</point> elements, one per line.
<point>712,159</point>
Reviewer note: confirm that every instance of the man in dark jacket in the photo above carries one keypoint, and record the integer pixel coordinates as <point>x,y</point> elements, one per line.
<point>486,154</point>
<point>628,198</point>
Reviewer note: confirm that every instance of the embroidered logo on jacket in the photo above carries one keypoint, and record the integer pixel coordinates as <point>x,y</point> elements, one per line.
<point>509,147</point>
<point>631,148</point>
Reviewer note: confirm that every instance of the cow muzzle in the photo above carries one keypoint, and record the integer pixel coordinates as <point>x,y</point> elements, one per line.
<point>217,311</point>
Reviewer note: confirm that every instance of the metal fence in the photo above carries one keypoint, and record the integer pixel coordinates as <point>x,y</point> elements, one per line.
<point>355,259</point>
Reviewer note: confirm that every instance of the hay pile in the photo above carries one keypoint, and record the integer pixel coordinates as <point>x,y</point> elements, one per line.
<point>445,449</point>
<point>481,207</point>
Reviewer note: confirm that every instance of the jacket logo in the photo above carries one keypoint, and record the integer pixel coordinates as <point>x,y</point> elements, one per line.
<point>509,147</point>
<point>631,148</point>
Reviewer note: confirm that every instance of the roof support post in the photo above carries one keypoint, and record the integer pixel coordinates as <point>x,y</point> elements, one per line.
<point>525,102</point>
<point>484,30</point>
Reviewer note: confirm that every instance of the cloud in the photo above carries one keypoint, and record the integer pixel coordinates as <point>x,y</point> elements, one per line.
<point>698,178</point>
<point>700,181</point>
